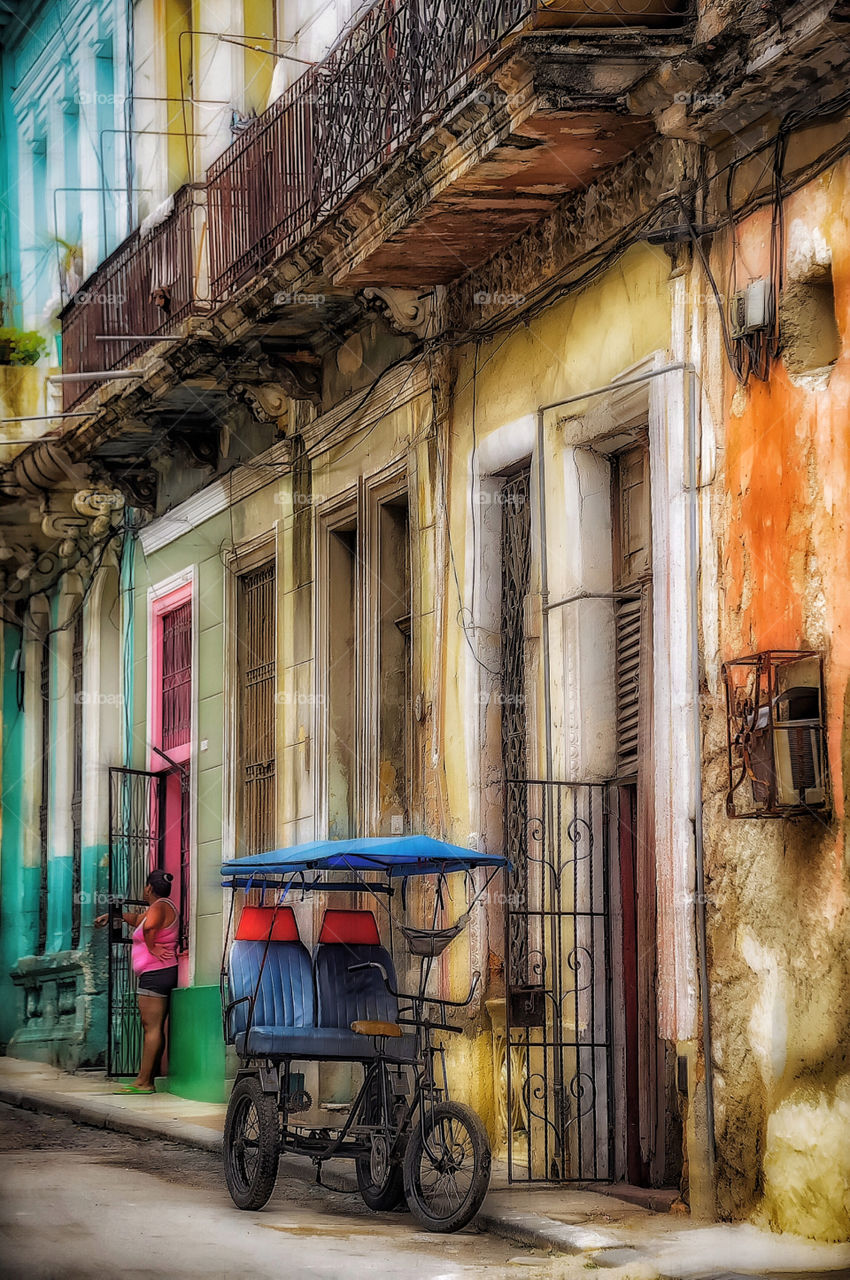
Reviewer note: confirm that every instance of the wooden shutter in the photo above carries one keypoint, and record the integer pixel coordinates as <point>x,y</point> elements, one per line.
<point>632,576</point>
<point>177,677</point>
<point>628,618</point>
<point>258,678</point>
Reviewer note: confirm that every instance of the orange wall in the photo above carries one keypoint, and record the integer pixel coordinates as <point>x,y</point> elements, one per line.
<point>786,553</point>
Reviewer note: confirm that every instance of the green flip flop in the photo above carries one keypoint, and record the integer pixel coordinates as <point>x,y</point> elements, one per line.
<point>132,1088</point>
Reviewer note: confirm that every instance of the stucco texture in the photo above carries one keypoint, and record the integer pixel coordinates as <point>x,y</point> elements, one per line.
<point>779,890</point>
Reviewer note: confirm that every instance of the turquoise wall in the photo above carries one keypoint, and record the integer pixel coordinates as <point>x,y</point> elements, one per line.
<point>18,887</point>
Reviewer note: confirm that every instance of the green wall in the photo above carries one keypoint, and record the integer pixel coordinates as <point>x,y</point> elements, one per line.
<point>195,1045</point>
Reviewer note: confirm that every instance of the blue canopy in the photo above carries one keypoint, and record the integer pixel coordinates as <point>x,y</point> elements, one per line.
<point>392,855</point>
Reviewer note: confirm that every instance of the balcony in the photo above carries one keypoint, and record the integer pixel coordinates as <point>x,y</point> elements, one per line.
<point>146,288</point>
<point>396,74</point>
<point>433,134</point>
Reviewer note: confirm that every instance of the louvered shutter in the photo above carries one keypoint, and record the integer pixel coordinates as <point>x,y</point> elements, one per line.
<point>628,617</point>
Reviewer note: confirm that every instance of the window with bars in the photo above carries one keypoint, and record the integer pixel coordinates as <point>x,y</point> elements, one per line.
<point>177,677</point>
<point>256,801</point>
<point>515,500</point>
<point>632,577</point>
<point>44,804</point>
<point>77,779</point>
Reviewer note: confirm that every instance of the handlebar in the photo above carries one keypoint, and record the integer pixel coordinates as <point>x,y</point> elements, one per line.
<point>407,995</point>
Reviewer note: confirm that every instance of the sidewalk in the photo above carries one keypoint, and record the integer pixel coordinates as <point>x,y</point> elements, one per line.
<point>610,1231</point>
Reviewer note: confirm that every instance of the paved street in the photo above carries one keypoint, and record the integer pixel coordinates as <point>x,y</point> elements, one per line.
<point>146,1208</point>
<point>140,1209</point>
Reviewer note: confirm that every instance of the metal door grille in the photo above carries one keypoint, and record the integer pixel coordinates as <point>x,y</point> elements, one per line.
<point>44,803</point>
<point>176,677</point>
<point>558,1015</point>
<point>77,786</point>
<point>136,846</point>
<point>257,604</point>
<point>516,576</point>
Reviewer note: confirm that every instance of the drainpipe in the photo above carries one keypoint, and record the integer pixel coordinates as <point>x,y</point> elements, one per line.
<point>689,370</point>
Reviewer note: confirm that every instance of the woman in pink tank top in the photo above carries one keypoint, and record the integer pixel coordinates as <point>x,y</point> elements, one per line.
<point>154,960</point>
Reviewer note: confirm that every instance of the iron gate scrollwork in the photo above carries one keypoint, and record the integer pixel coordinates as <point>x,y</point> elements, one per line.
<point>558,1014</point>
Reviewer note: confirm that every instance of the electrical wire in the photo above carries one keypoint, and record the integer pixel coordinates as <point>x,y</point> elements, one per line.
<point>462,610</point>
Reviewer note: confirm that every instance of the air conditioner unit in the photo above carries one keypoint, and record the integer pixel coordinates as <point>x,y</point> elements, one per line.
<point>776,734</point>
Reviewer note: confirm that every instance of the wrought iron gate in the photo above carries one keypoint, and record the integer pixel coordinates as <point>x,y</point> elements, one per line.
<point>136,846</point>
<point>558,1015</point>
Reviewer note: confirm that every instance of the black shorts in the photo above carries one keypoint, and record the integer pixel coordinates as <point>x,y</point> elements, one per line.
<point>158,982</point>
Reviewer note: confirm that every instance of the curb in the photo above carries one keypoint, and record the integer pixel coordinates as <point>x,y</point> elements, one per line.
<point>335,1175</point>
<point>113,1118</point>
<point>539,1232</point>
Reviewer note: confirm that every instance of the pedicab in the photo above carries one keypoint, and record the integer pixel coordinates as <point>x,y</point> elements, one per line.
<point>282,1008</point>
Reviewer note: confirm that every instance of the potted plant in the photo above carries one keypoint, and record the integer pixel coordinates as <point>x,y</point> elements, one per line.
<point>21,346</point>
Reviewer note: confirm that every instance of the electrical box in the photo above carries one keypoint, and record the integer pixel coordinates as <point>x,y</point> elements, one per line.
<point>776,734</point>
<point>751,309</point>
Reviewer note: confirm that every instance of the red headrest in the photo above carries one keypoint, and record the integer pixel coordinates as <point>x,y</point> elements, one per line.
<point>350,926</point>
<point>255,923</point>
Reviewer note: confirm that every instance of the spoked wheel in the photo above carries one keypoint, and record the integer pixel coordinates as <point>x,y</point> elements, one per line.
<point>446,1179</point>
<point>380,1180</point>
<point>251,1145</point>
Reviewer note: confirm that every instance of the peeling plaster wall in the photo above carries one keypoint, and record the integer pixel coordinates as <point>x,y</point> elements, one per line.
<point>780,890</point>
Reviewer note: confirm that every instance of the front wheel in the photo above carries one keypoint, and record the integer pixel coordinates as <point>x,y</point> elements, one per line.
<point>446,1167</point>
<point>251,1144</point>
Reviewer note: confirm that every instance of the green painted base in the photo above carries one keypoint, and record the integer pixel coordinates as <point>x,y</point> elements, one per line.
<point>195,1045</point>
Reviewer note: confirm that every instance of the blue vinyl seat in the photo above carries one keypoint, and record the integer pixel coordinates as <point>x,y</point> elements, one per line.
<point>285,996</point>
<point>306,1012</point>
<point>350,938</point>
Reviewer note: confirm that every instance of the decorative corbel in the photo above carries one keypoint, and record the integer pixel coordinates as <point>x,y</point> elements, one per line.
<point>138,483</point>
<point>59,522</point>
<point>199,445</point>
<point>407,310</point>
<point>267,401</point>
<point>300,376</point>
<point>98,506</point>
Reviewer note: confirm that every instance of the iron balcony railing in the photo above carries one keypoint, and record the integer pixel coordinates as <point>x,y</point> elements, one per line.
<point>385,80</point>
<point>390,74</point>
<point>145,288</point>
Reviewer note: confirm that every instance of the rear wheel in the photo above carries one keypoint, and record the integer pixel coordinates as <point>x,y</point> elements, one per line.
<point>379,1179</point>
<point>251,1144</point>
<point>447,1169</point>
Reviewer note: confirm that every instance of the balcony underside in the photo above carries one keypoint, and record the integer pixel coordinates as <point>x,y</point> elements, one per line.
<point>562,15</point>
<point>497,198</point>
